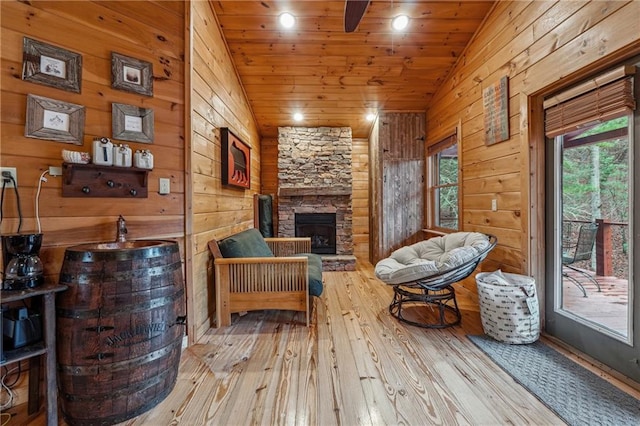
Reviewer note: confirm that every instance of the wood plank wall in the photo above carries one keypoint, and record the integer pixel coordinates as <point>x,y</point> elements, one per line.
<point>269,175</point>
<point>375,191</point>
<point>217,100</point>
<point>360,197</point>
<point>150,31</point>
<point>535,44</point>
<point>147,30</point>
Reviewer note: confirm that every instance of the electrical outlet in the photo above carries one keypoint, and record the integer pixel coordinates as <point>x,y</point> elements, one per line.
<point>13,172</point>
<point>55,171</point>
<point>165,186</point>
<point>494,205</point>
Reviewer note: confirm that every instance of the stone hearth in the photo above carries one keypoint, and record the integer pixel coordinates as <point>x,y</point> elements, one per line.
<point>314,176</point>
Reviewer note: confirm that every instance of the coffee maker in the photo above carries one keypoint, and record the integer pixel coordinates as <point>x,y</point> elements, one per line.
<point>22,267</point>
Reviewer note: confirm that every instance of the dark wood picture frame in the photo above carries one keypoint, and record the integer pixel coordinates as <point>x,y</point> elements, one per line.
<point>495,99</point>
<point>50,65</point>
<point>236,160</point>
<point>54,120</point>
<point>132,123</point>
<point>131,74</point>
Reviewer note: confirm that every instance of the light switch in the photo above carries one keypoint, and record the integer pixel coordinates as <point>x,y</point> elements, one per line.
<point>494,204</point>
<point>165,186</point>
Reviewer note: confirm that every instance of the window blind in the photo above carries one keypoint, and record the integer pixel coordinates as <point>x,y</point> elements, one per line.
<point>442,144</point>
<point>601,104</point>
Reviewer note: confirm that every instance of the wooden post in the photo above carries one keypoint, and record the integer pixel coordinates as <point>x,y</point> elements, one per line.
<point>223,310</point>
<point>50,342</point>
<point>604,266</point>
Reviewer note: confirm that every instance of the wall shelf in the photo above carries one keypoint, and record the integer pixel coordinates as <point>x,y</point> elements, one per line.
<point>91,180</point>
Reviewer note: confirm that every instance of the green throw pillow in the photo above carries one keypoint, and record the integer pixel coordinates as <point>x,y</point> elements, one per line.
<point>249,243</point>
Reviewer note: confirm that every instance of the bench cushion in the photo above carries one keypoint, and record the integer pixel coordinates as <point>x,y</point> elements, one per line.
<point>315,273</point>
<point>248,243</point>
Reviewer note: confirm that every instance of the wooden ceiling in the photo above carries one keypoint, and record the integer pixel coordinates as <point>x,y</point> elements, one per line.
<point>335,78</point>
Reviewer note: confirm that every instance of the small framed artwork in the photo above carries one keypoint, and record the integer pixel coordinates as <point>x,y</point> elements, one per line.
<point>131,74</point>
<point>495,99</point>
<point>54,120</point>
<point>236,160</point>
<point>132,123</point>
<point>50,65</point>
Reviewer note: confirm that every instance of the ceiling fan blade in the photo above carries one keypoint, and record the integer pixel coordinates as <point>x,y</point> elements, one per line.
<point>353,13</point>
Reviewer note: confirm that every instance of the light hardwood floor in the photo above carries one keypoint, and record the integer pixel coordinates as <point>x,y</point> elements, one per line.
<point>355,365</point>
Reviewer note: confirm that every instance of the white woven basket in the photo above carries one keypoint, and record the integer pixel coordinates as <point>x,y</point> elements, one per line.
<point>509,313</point>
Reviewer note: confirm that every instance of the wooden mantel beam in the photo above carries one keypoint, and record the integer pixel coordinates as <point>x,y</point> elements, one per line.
<point>314,190</point>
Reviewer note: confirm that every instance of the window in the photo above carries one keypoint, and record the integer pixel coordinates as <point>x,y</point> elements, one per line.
<point>443,183</point>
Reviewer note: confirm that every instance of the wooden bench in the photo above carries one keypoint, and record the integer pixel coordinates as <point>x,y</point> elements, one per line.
<point>250,278</point>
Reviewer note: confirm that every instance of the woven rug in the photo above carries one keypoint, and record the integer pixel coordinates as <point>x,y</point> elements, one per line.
<point>574,393</point>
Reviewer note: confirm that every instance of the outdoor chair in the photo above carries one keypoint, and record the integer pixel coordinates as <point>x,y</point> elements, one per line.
<point>423,274</point>
<point>579,251</point>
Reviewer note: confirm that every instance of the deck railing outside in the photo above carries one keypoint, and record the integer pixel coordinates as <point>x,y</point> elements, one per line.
<point>610,247</point>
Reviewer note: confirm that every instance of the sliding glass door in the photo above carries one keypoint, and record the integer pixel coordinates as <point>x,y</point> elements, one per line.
<point>592,224</point>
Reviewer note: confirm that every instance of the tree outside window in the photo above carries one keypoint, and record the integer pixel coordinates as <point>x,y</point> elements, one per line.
<point>444,188</point>
<point>595,184</point>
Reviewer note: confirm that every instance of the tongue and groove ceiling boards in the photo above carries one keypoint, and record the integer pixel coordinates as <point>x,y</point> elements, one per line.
<point>333,77</point>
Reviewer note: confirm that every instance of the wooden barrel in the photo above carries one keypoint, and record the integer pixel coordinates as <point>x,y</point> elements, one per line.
<point>119,329</point>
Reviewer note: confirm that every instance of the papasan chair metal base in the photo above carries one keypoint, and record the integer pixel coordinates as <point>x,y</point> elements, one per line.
<point>432,283</point>
<point>441,301</point>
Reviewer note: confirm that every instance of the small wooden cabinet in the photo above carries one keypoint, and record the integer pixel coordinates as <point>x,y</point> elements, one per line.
<point>34,352</point>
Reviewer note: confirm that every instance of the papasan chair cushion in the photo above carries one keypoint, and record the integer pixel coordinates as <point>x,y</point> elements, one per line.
<point>430,257</point>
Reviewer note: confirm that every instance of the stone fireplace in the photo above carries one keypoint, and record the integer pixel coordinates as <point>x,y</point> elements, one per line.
<point>314,177</point>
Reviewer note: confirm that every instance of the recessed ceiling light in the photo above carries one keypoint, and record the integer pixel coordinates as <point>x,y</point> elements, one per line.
<point>400,22</point>
<point>371,116</point>
<point>287,20</point>
<point>298,116</point>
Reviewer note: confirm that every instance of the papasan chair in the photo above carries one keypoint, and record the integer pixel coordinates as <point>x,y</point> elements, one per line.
<point>423,274</point>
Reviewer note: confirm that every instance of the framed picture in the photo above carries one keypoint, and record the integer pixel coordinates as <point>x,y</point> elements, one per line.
<point>50,65</point>
<point>132,123</point>
<point>131,74</point>
<point>495,100</point>
<point>236,160</point>
<point>54,120</point>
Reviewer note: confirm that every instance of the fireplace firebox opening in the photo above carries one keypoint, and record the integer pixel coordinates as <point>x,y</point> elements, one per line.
<point>321,227</point>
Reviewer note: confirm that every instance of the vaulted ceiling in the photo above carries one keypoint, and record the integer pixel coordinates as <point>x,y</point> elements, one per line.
<point>335,78</point>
